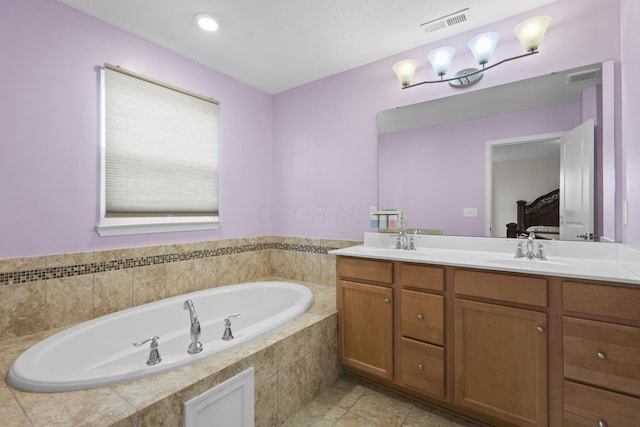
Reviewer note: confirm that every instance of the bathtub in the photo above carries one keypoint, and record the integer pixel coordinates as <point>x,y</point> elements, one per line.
<point>100,352</point>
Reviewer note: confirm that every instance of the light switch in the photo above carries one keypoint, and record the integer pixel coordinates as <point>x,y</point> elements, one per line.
<point>470,212</point>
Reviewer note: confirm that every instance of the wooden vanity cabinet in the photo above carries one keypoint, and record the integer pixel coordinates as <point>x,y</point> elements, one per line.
<point>364,300</point>
<point>500,363</point>
<point>601,343</point>
<point>421,345</point>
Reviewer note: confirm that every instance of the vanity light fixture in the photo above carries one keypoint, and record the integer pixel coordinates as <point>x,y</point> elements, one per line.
<point>530,33</point>
<point>206,22</point>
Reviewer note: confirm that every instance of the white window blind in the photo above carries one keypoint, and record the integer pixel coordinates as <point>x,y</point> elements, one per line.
<point>160,150</point>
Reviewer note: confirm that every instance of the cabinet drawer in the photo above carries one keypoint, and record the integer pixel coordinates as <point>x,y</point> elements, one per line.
<point>365,269</point>
<point>602,354</point>
<point>422,316</point>
<point>586,406</point>
<point>422,366</point>
<point>502,287</point>
<point>621,303</point>
<point>422,276</point>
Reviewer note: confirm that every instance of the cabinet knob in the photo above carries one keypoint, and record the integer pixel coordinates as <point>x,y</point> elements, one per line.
<point>602,423</point>
<point>420,317</point>
<point>601,356</point>
<point>540,330</point>
<point>387,301</point>
<point>421,366</point>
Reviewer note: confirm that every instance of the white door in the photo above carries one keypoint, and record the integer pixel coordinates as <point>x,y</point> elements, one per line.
<point>576,183</point>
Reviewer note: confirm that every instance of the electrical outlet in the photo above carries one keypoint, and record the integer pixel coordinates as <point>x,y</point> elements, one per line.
<point>470,212</point>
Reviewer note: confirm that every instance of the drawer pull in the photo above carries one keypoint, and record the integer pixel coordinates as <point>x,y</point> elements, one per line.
<point>540,330</point>
<point>602,423</point>
<point>421,366</point>
<point>601,356</point>
<point>420,317</point>
<point>387,301</point>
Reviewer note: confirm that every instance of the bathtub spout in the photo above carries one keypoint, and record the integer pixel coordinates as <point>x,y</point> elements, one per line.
<point>196,345</point>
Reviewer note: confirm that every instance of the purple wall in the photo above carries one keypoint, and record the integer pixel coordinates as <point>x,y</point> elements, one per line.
<point>49,170</point>
<point>446,166</point>
<point>301,163</point>
<point>325,142</point>
<point>630,127</point>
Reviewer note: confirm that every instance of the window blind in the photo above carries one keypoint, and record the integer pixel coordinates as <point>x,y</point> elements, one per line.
<point>161,149</point>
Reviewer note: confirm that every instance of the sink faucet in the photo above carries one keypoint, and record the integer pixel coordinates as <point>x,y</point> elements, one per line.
<point>404,241</point>
<point>530,248</point>
<point>530,240</point>
<point>196,345</point>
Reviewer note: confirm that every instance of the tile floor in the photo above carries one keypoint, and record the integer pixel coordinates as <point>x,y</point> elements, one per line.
<point>349,403</point>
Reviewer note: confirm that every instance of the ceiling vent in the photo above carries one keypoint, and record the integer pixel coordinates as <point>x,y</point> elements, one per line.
<point>446,21</point>
<point>582,76</point>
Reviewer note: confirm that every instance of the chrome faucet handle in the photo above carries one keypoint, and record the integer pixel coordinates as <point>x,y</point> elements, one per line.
<point>398,242</point>
<point>412,244</point>
<point>540,254</point>
<point>231,316</point>
<point>519,251</point>
<point>228,335</point>
<point>154,354</point>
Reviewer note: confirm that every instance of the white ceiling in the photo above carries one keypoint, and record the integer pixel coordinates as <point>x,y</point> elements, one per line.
<point>279,44</point>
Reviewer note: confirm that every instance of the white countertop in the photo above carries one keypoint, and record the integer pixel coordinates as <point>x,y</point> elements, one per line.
<point>583,260</point>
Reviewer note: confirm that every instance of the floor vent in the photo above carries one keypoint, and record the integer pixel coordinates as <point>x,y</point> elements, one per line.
<point>446,21</point>
<point>582,76</point>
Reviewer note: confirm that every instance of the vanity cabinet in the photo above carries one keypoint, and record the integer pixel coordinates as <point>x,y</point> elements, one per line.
<point>500,363</point>
<point>503,348</point>
<point>601,342</point>
<point>421,346</point>
<point>365,315</point>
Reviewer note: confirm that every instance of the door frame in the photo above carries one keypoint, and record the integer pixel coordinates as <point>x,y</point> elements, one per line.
<point>488,170</point>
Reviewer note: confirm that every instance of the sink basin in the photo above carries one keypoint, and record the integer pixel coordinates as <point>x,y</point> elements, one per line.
<point>534,264</point>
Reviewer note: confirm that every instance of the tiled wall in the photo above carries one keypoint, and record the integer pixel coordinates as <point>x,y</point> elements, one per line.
<point>53,291</point>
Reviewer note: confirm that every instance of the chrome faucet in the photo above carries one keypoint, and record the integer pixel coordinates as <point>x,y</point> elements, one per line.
<point>404,241</point>
<point>530,240</point>
<point>196,345</point>
<point>531,254</point>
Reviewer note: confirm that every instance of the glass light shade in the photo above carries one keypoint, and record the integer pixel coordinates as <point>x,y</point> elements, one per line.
<point>405,70</point>
<point>531,32</point>
<point>440,59</point>
<point>206,22</point>
<point>482,46</point>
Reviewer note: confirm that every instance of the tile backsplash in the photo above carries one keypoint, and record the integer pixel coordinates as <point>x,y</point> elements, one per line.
<point>48,292</point>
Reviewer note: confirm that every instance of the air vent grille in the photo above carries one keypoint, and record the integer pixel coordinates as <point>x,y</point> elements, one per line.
<point>582,76</point>
<point>446,21</point>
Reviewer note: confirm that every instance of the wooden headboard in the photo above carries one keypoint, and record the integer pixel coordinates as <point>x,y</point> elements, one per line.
<point>545,210</point>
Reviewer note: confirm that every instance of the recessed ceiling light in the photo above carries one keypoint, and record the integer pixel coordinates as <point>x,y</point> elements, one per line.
<point>206,22</point>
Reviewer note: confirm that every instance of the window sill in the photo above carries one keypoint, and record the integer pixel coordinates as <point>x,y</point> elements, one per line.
<point>125,226</point>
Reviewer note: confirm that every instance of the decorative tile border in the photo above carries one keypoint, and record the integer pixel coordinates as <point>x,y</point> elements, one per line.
<point>18,277</point>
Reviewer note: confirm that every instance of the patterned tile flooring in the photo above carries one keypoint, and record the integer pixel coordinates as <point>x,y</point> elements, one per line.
<point>349,403</point>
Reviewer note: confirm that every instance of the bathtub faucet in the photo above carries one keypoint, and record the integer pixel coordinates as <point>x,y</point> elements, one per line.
<point>196,345</point>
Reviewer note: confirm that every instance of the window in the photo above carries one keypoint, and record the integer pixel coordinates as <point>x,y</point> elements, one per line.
<point>159,156</point>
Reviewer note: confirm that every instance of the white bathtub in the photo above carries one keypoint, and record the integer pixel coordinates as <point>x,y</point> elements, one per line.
<point>99,352</point>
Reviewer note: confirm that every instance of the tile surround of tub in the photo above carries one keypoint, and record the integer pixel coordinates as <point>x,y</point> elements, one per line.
<point>300,356</point>
<point>47,292</point>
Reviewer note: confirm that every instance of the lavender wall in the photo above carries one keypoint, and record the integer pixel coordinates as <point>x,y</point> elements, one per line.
<point>301,163</point>
<point>49,125</point>
<point>435,172</point>
<point>325,142</point>
<point>630,127</point>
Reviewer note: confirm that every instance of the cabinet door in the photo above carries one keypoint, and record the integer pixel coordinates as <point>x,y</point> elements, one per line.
<point>500,363</point>
<point>365,322</point>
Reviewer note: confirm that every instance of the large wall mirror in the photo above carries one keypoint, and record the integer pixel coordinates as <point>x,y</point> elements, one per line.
<point>460,164</point>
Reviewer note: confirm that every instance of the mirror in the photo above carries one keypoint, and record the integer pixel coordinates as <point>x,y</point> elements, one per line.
<point>432,156</point>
